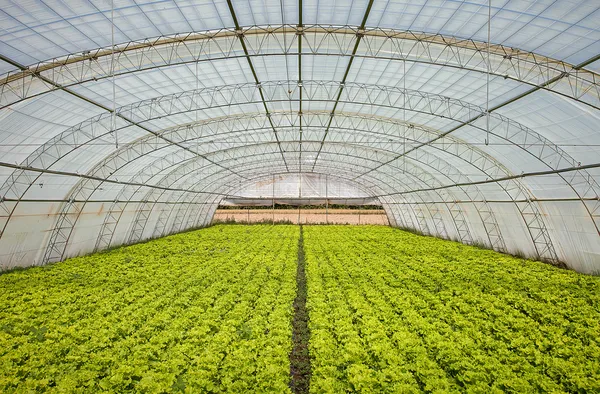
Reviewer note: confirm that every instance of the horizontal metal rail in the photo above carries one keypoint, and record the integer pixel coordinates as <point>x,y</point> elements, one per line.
<point>74,174</point>
<point>507,178</point>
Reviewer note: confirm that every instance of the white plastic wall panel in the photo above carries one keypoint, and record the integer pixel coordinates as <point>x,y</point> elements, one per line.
<point>144,85</point>
<point>25,239</point>
<point>465,85</point>
<point>594,66</point>
<point>516,236</point>
<point>574,235</point>
<point>38,31</point>
<point>87,155</point>
<point>276,68</point>
<point>312,186</point>
<point>83,237</point>
<point>6,68</point>
<point>549,187</point>
<point>121,232</point>
<point>517,158</point>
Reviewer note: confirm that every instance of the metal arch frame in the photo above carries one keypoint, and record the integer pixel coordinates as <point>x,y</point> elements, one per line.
<point>134,226</point>
<point>43,151</point>
<point>522,132</point>
<point>450,179</point>
<point>107,230</point>
<point>522,66</point>
<point>525,135</point>
<point>422,222</point>
<point>361,156</point>
<point>209,215</point>
<point>260,155</point>
<point>270,168</point>
<point>85,189</point>
<point>163,221</point>
<point>440,196</point>
<point>118,206</point>
<point>436,219</point>
<point>454,215</point>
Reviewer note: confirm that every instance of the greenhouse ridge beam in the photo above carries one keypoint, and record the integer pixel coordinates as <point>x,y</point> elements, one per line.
<point>103,107</point>
<point>240,35</point>
<point>359,35</point>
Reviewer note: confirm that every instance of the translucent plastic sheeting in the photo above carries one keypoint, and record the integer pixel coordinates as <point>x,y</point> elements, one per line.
<point>566,30</point>
<point>573,126</point>
<point>386,100</point>
<point>29,124</point>
<point>595,66</point>
<point>5,67</point>
<point>301,185</point>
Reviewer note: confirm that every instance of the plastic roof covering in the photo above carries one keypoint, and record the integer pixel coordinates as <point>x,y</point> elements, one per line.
<point>211,98</point>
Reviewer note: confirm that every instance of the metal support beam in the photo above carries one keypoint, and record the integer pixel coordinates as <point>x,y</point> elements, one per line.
<point>240,34</point>
<point>359,35</point>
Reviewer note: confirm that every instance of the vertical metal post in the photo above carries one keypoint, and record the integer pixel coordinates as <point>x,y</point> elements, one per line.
<point>404,115</point>
<point>326,201</point>
<point>273,201</point>
<point>489,70</point>
<point>112,72</point>
<point>300,197</point>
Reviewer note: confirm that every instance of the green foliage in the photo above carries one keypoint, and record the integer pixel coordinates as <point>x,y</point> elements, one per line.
<point>392,311</point>
<point>204,311</point>
<point>211,311</point>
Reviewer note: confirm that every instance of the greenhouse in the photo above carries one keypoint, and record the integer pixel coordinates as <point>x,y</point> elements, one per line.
<point>463,137</point>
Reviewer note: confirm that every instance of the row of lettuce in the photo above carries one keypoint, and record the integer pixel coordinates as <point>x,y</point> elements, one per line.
<point>394,312</point>
<point>211,311</point>
<point>208,311</point>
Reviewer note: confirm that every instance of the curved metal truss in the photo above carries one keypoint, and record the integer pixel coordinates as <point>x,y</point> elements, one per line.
<point>538,71</point>
<point>83,191</point>
<point>149,144</point>
<point>246,141</point>
<point>136,115</point>
<point>417,150</point>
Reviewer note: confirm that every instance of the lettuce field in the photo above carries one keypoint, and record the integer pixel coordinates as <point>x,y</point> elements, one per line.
<point>240,309</point>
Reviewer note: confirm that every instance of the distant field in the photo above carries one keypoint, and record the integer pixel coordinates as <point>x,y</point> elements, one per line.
<point>307,216</point>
